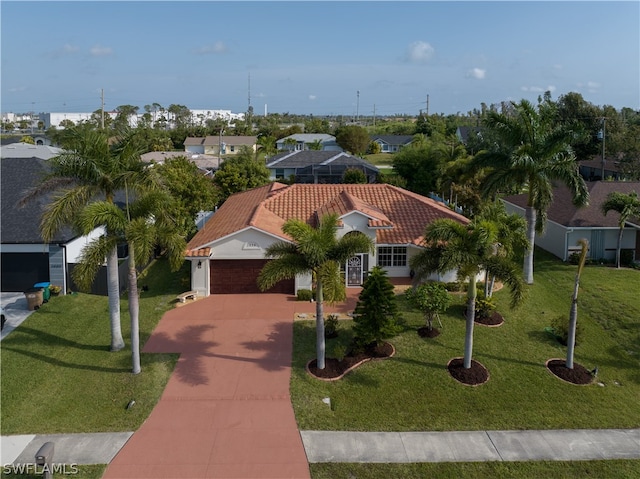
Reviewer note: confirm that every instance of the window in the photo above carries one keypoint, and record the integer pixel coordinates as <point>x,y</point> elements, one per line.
<point>392,256</point>
<point>251,245</point>
<point>279,173</point>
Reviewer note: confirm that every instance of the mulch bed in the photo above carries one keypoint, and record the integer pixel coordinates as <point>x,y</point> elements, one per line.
<point>495,319</point>
<point>335,368</point>
<point>578,375</point>
<point>474,376</point>
<point>425,332</point>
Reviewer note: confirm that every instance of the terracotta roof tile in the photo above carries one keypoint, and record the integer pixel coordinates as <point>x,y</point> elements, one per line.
<point>398,215</point>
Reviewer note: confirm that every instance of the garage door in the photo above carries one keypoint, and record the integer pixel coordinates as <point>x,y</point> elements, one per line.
<point>240,276</point>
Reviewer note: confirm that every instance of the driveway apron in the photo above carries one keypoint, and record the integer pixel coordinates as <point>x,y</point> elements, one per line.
<point>226,411</point>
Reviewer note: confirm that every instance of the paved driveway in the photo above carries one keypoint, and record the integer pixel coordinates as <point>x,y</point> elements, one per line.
<point>15,310</point>
<point>226,411</point>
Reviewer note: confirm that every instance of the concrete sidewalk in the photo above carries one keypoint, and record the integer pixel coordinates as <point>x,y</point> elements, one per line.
<point>375,447</point>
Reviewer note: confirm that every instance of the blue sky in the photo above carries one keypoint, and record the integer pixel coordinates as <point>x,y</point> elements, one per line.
<point>321,58</point>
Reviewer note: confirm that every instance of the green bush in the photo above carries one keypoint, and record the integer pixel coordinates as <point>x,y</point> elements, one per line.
<point>331,325</point>
<point>485,307</point>
<point>560,325</point>
<point>626,257</point>
<point>304,295</point>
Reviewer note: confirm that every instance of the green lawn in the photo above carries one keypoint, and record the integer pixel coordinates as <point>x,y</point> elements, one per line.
<point>58,375</point>
<point>380,159</point>
<point>413,390</point>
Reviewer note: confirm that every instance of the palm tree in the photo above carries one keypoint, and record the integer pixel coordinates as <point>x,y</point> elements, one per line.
<point>316,251</point>
<point>627,205</point>
<point>452,246</point>
<point>143,224</point>
<point>87,171</point>
<point>511,235</point>
<point>530,153</point>
<point>573,314</point>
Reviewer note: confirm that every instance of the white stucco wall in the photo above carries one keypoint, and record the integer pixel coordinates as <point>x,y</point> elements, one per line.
<point>74,248</point>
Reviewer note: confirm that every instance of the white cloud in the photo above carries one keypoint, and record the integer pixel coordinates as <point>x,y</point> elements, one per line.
<point>100,51</point>
<point>312,97</point>
<point>217,47</point>
<point>477,73</point>
<point>538,89</point>
<point>70,48</point>
<point>420,52</point>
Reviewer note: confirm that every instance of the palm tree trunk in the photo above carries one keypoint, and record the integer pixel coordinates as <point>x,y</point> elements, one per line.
<point>531,238</point>
<point>471,316</point>
<point>573,314</point>
<point>320,342</point>
<point>134,310</point>
<point>113,291</point>
<point>619,247</point>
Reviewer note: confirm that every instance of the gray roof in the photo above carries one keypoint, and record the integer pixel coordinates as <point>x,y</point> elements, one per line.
<point>299,159</point>
<point>393,139</point>
<point>309,137</point>
<point>27,150</point>
<point>22,225</point>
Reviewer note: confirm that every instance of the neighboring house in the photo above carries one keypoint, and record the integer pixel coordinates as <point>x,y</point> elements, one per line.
<point>208,164</point>
<point>310,166</point>
<point>392,143</point>
<point>219,145</point>
<point>464,133</point>
<point>566,223</point>
<point>228,254</point>
<point>25,258</point>
<point>591,170</point>
<point>304,141</point>
<point>27,150</point>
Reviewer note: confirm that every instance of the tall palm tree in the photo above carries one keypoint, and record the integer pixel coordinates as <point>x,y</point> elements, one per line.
<point>143,224</point>
<point>627,205</point>
<point>452,246</point>
<point>89,170</point>
<point>573,313</point>
<point>316,251</point>
<point>531,151</point>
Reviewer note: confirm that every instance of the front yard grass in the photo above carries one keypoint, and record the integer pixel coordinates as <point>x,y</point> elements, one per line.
<point>413,391</point>
<point>58,375</point>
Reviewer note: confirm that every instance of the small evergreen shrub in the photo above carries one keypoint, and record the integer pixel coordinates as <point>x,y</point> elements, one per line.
<point>485,307</point>
<point>304,295</point>
<point>626,257</point>
<point>560,325</point>
<point>331,326</point>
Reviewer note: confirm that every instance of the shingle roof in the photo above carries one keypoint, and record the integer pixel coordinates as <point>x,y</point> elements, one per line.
<point>562,210</point>
<point>393,139</point>
<point>22,225</point>
<point>399,216</point>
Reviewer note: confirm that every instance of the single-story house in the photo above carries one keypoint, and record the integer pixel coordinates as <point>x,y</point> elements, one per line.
<point>208,164</point>
<point>566,223</point>
<point>228,254</point>
<point>392,143</point>
<point>27,150</point>
<point>312,166</point>
<point>591,170</point>
<point>25,258</point>
<point>219,145</point>
<point>465,133</point>
<point>303,141</point>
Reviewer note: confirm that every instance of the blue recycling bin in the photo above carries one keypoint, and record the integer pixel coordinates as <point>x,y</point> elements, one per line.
<point>46,291</point>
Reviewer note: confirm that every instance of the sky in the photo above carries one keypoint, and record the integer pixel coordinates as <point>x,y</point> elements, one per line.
<point>322,58</point>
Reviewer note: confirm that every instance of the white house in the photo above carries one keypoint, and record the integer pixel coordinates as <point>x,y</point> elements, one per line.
<point>228,253</point>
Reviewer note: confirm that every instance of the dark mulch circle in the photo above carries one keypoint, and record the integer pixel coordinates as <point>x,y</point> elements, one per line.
<point>331,335</point>
<point>334,368</point>
<point>474,376</point>
<point>425,332</point>
<point>578,375</point>
<point>495,319</point>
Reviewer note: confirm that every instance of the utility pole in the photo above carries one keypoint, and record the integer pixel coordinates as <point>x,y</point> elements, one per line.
<point>102,108</point>
<point>358,106</point>
<point>604,123</point>
<point>427,105</point>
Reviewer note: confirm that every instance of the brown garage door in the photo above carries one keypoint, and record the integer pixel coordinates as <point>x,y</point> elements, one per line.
<point>240,276</point>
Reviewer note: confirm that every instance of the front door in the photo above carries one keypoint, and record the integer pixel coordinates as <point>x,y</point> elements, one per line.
<point>354,271</point>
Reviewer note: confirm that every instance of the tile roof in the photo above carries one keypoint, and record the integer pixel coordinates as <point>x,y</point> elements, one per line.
<point>562,210</point>
<point>399,216</point>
